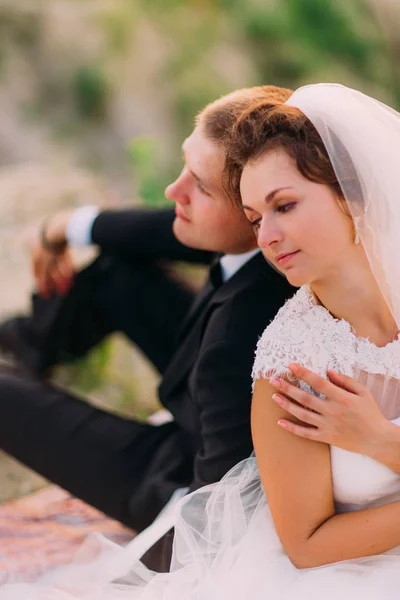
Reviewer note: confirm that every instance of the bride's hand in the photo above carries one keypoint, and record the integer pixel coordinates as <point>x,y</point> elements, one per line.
<point>348,416</point>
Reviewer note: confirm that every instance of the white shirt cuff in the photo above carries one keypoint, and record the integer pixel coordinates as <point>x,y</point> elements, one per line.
<point>79,228</point>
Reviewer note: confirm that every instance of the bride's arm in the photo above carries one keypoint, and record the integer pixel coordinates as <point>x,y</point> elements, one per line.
<point>388,453</point>
<point>296,475</point>
<point>348,416</point>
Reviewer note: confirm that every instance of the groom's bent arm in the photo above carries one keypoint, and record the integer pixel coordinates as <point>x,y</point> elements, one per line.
<point>143,234</point>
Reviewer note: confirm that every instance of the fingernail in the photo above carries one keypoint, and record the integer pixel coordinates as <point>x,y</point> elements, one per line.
<point>282,424</point>
<point>278,399</point>
<point>276,382</point>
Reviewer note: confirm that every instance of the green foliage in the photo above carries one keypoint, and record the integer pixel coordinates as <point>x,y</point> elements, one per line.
<point>97,375</point>
<point>87,372</point>
<point>294,39</point>
<point>91,91</point>
<point>330,32</point>
<point>119,24</point>
<point>144,160</point>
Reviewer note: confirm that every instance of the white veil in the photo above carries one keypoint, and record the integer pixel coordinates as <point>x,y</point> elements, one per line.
<point>362,138</point>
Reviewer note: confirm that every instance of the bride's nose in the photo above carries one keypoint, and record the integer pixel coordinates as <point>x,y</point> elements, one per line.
<point>269,233</point>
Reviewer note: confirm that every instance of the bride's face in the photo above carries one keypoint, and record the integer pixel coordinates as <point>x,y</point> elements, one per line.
<point>299,224</point>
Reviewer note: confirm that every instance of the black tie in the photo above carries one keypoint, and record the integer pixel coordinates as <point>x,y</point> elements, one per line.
<point>214,281</point>
<point>215,276</point>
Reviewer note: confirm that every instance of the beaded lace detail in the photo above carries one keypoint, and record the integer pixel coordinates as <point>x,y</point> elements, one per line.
<point>306,333</point>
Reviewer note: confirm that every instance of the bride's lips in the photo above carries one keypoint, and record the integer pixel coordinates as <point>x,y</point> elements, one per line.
<point>284,258</point>
<point>180,215</point>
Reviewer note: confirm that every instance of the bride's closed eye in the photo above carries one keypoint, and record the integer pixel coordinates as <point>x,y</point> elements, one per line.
<point>255,224</point>
<point>284,208</point>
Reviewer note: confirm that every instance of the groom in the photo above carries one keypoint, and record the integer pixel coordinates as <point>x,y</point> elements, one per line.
<point>202,344</point>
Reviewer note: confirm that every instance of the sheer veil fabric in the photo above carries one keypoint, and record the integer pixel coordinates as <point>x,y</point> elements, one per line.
<point>226,546</point>
<point>362,137</point>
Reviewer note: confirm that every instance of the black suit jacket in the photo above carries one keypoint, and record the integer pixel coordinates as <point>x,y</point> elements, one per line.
<point>143,234</point>
<point>207,385</point>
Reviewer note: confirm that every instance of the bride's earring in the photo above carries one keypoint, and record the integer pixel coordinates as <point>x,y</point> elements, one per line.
<point>356,234</point>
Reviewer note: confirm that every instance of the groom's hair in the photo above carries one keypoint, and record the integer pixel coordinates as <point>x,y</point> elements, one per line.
<point>262,128</point>
<point>218,118</point>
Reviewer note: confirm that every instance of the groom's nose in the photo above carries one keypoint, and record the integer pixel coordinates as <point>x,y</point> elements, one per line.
<point>176,191</point>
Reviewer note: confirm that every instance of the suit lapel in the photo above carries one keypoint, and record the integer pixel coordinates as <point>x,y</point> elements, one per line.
<point>199,302</point>
<point>192,333</point>
<point>201,299</point>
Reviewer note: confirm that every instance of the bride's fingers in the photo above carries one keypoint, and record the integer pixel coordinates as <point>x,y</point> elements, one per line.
<point>327,388</point>
<point>305,398</point>
<point>302,414</point>
<point>346,383</point>
<point>309,433</point>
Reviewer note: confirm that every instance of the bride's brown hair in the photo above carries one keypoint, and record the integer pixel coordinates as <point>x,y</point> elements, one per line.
<point>262,128</point>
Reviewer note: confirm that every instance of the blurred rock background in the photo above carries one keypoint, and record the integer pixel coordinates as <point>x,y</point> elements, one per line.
<point>96,97</point>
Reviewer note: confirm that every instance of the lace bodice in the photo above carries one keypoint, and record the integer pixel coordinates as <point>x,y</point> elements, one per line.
<point>305,332</point>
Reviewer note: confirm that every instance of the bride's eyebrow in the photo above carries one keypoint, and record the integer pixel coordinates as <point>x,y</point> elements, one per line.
<point>269,197</point>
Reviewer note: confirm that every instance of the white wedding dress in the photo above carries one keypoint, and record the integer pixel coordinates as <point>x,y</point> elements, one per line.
<point>226,546</point>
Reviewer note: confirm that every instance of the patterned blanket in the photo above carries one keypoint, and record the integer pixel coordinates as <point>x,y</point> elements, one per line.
<point>45,529</point>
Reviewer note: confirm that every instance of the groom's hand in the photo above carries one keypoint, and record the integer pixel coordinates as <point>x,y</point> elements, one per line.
<point>347,416</point>
<point>53,271</point>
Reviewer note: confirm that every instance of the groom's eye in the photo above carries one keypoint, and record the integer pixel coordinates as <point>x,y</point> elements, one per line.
<point>201,188</point>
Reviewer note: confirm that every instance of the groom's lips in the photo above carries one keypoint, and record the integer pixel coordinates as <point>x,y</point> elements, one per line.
<point>284,258</point>
<point>180,215</point>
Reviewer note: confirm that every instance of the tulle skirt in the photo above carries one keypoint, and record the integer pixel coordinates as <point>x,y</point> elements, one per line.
<point>225,547</point>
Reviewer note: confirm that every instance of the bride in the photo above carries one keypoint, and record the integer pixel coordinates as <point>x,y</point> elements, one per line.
<point>317,511</point>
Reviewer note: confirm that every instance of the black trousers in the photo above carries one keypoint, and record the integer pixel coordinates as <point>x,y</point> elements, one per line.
<point>143,300</point>
<point>99,457</point>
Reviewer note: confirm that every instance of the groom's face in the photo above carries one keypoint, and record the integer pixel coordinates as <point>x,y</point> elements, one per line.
<point>205,216</point>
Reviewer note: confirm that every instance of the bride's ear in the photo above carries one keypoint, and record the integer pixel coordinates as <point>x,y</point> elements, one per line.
<point>341,200</point>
